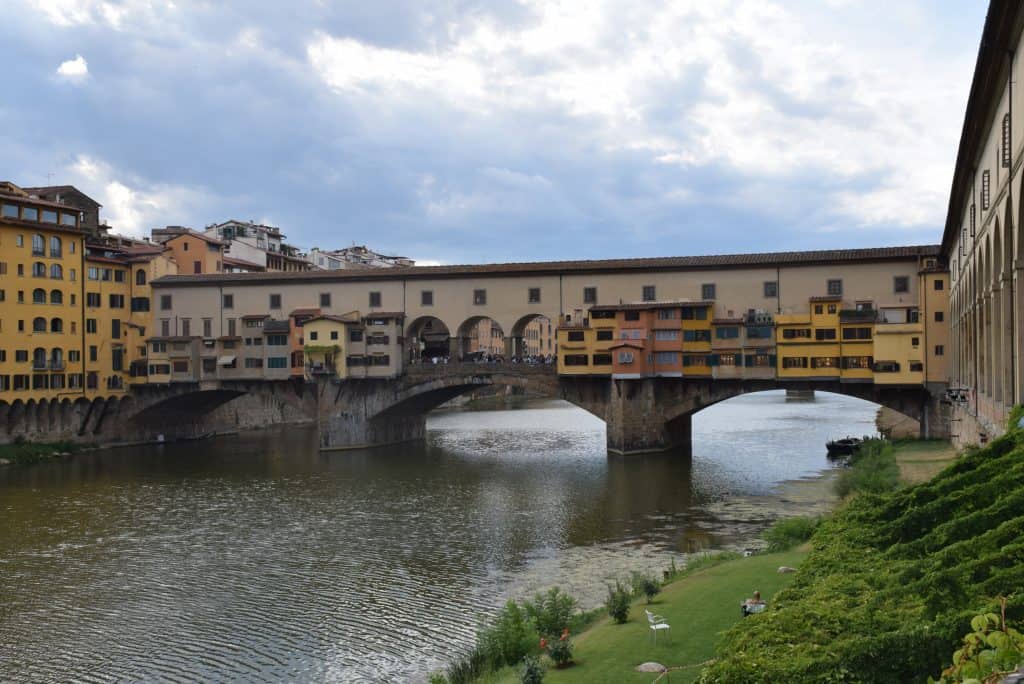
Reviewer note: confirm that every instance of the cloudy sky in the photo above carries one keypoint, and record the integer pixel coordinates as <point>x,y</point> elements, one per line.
<point>465,131</point>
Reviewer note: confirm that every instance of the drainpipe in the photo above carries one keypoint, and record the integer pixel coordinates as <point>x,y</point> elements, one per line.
<point>1013,280</point>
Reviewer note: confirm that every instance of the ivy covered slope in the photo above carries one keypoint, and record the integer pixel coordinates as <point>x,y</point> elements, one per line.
<point>892,581</point>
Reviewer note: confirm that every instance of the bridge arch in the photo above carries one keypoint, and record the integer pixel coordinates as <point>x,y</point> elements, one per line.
<point>480,334</point>
<point>522,343</point>
<point>428,337</point>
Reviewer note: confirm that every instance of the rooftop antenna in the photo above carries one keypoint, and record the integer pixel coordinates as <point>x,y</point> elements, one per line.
<point>49,177</point>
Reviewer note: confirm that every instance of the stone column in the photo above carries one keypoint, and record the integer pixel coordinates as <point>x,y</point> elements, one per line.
<point>996,347</point>
<point>635,422</point>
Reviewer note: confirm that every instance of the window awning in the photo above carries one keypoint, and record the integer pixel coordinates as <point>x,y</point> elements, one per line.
<point>225,360</point>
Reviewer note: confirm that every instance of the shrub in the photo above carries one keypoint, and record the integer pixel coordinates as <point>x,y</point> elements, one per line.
<point>991,651</point>
<point>645,585</point>
<point>785,534</point>
<point>531,672</point>
<point>467,669</point>
<point>872,469</point>
<point>1016,413</point>
<point>560,650</point>
<point>508,638</point>
<point>551,612</point>
<point>437,678</point>
<point>619,599</point>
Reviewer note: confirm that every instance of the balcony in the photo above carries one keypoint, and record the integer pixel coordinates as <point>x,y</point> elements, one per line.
<point>57,365</point>
<point>40,366</point>
<point>320,369</point>
<point>858,315</point>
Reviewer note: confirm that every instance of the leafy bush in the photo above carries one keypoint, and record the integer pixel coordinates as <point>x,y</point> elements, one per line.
<point>508,638</point>
<point>619,599</point>
<point>437,678</point>
<point>785,534</point>
<point>991,651</point>
<point>560,650</point>
<point>551,613</point>
<point>1016,413</point>
<point>467,669</point>
<point>645,585</point>
<point>873,469</point>
<point>893,580</point>
<point>531,672</point>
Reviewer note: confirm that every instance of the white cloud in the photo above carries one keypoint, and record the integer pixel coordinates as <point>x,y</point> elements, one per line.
<point>74,70</point>
<point>133,206</point>
<point>113,13</point>
<point>745,84</point>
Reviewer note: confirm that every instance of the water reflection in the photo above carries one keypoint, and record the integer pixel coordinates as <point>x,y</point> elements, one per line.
<point>260,558</point>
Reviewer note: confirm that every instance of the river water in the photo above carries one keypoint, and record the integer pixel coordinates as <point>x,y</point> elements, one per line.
<point>257,558</point>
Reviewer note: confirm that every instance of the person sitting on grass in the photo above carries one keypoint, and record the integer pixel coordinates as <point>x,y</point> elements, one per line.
<point>753,605</point>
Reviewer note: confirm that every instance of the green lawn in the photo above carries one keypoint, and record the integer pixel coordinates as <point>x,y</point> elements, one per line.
<point>698,607</point>
<point>921,460</point>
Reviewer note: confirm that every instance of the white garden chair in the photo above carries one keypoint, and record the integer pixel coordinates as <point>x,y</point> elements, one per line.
<point>656,623</point>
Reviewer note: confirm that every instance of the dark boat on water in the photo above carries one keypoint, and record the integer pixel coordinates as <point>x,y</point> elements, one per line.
<point>843,447</point>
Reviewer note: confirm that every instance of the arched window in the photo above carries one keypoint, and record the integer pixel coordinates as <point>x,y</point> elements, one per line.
<point>56,297</point>
<point>39,296</point>
<point>56,325</point>
<point>55,246</point>
<point>38,269</point>
<point>39,357</point>
<point>38,245</point>
<point>56,272</point>
<point>56,358</point>
<point>39,324</point>
<point>140,277</point>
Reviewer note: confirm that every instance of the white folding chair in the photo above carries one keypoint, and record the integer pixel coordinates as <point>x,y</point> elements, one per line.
<point>656,623</point>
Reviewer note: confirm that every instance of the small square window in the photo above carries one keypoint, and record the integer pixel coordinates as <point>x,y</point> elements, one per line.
<point>832,308</point>
<point>165,302</point>
<point>940,284</point>
<point>479,297</point>
<point>901,284</point>
<point>590,295</point>
<point>915,342</point>
<point>313,334</point>
<point>325,299</point>
<point>648,293</point>
<point>939,350</point>
<point>275,301</point>
<point>834,287</point>
<point>939,316</point>
<point>771,288</point>
<point>707,291</point>
<point>426,298</point>
<point>374,299</point>
<point>334,334</point>
<point>229,301</point>
<point>533,296</point>
<point>819,309</point>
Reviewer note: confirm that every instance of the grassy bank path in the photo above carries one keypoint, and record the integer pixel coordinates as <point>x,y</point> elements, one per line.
<point>921,460</point>
<point>698,607</point>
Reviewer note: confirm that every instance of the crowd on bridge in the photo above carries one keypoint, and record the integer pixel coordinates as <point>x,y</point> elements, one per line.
<point>486,358</point>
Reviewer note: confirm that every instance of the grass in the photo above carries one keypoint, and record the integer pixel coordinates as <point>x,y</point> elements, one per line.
<point>698,606</point>
<point>23,453</point>
<point>922,459</point>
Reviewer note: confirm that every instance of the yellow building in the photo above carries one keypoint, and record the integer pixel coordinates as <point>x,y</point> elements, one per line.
<point>326,345</point>
<point>41,261</point>
<point>584,344</point>
<point>899,354</point>
<point>696,325</point>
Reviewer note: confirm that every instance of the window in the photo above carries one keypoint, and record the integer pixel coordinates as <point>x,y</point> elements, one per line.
<point>479,297</point>
<point>56,325</point>
<point>165,302</point>
<point>696,336</point>
<point>11,211</point>
<point>67,219</point>
<point>39,324</point>
<point>55,247</point>
<point>334,334</point>
<point>691,360</point>
<point>759,332</point>
<point>796,333</point>
<point>93,273</point>
<point>375,300</point>
<point>590,295</point>
<point>1005,156</point>
<point>794,362</point>
<point>39,296</point>
<point>380,360</point>
<point>666,335</point>
<point>275,301</point>
<point>832,308</point>
<point>73,274</point>
<point>825,362</point>
<point>985,189</point>
<point>707,291</point>
<point>355,336</point>
<point>648,293</point>
<point>856,333</point>
<point>325,299</point>
<point>115,329</point>
<point>105,274</point>
<point>822,334</point>
<point>575,336</point>
<point>632,315</point>
<point>38,270</point>
<point>165,327</point>
<point>668,314</point>
<point>38,245</point>
<point>887,367</point>
<point>116,301</point>
<point>377,339</point>
<point>533,295</point>
<point>313,335</point>
<point>916,367</point>
<point>940,350</point>
<point>184,246</point>
<point>426,298</point>
<point>140,277</point>
<point>140,303</point>
<point>56,272</point>
<point>901,284</point>
<point>277,362</point>
<point>625,357</point>
<point>915,342</point>
<point>277,341</point>
<point>729,332</point>
<point>666,358</point>
<point>119,276</point>
<point>21,355</point>
<point>939,283</point>
<point>186,327</point>
<point>857,362</point>
<point>834,288</point>
<point>575,360</point>
<point>207,327</point>
<point>728,359</point>
<point>228,301</point>
<point>939,316</point>
<point>180,366</point>
<point>605,335</point>
<point>913,316</point>
<point>771,288</point>
<point>602,359</point>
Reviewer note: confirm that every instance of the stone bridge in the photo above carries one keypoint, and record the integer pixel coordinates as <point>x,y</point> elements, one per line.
<point>653,414</point>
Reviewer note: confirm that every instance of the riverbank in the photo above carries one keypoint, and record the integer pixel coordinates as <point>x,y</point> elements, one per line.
<point>698,607</point>
<point>26,453</point>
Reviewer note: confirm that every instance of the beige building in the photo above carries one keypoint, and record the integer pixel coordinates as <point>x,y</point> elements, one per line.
<point>982,242</point>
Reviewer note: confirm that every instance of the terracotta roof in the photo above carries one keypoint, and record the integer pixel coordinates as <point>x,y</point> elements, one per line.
<point>770,259</point>
<point>331,317</point>
<point>634,306</point>
<point>195,234</point>
<point>826,298</point>
<point>60,190</point>
<point>384,314</point>
<point>302,311</point>
<point>232,261</point>
<point>255,317</point>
